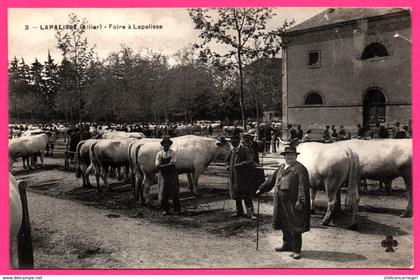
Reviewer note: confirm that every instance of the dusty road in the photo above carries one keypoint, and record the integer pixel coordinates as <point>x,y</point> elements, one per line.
<point>75,228</point>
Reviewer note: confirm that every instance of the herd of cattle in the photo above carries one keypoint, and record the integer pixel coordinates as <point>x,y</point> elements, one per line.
<point>330,166</point>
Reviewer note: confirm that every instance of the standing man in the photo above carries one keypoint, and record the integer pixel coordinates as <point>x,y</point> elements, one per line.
<point>396,130</point>
<point>257,176</point>
<point>299,132</point>
<point>326,134</point>
<point>292,132</point>
<point>240,162</point>
<point>307,136</point>
<point>168,177</point>
<point>267,132</point>
<point>360,131</point>
<point>210,130</point>
<point>291,212</point>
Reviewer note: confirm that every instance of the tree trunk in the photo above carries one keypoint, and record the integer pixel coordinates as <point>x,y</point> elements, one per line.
<point>241,92</point>
<point>257,107</point>
<point>185,115</point>
<point>79,92</point>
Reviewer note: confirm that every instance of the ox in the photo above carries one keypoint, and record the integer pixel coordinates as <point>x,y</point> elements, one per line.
<point>108,153</point>
<point>32,132</point>
<point>21,251</point>
<point>26,147</point>
<point>83,161</point>
<point>136,174</point>
<point>329,167</point>
<point>16,133</point>
<point>385,160</point>
<point>194,154</point>
<point>62,130</point>
<point>122,135</point>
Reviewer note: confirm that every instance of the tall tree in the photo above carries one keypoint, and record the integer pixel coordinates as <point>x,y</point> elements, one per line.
<point>67,90</point>
<point>36,72</point>
<point>50,83</point>
<point>74,46</point>
<point>235,28</point>
<point>13,88</point>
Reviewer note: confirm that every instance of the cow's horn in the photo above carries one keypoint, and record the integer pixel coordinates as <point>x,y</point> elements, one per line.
<point>284,142</point>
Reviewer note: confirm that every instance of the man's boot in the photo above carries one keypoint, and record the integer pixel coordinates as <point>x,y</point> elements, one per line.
<point>250,214</point>
<point>284,248</point>
<point>250,209</point>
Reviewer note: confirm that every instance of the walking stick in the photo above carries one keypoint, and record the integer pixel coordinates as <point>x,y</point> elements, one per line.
<point>224,200</point>
<point>258,220</point>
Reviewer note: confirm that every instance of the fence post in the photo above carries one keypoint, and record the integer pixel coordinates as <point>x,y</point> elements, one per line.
<point>66,161</point>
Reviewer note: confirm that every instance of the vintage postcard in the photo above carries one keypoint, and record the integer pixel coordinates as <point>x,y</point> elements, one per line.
<point>210,138</point>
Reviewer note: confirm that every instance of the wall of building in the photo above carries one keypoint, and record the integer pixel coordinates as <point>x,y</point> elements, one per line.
<point>318,117</point>
<point>343,78</point>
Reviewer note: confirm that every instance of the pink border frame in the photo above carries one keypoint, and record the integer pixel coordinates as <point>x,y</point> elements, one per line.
<point>5,4</point>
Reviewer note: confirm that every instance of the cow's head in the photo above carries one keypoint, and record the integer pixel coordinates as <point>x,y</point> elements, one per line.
<point>223,147</point>
<point>221,140</point>
<point>293,143</point>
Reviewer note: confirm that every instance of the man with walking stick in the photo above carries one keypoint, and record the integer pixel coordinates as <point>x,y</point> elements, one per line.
<point>291,212</point>
<point>240,163</point>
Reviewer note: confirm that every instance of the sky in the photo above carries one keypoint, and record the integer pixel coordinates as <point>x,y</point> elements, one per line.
<point>177,29</point>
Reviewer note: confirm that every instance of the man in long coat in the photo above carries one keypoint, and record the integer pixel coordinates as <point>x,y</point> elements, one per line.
<point>257,176</point>
<point>240,162</point>
<point>291,201</point>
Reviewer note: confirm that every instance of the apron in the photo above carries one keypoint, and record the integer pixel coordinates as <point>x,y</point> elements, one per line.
<point>168,180</point>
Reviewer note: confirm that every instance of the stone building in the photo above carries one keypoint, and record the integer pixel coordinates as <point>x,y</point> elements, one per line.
<point>348,66</point>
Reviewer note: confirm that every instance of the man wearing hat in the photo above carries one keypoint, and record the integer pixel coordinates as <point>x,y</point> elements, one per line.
<point>240,162</point>
<point>291,212</point>
<point>168,177</point>
<point>257,175</point>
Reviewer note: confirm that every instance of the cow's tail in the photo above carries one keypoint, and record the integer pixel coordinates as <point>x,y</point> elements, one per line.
<point>352,197</point>
<point>130,158</point>
<point>92,156</point>
<point>78,159</point>
<point>136,159</point>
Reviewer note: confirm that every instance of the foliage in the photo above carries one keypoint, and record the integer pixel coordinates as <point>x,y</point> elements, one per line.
<point>243,32</point>
<point>130,86</point>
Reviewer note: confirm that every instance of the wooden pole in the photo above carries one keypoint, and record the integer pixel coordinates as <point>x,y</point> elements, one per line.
<point>258,220</point>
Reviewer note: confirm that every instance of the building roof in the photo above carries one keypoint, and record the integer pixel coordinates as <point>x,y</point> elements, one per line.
<point>339,15</point>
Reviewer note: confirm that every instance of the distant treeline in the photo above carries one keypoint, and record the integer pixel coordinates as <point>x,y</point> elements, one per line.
<point>131,87</point>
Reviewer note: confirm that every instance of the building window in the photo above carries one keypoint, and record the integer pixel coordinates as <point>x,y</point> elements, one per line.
<point>314,59</point>
<point>374,50</point>
<point>313,98</point>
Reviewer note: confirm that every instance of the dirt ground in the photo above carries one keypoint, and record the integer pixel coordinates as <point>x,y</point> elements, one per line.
<point>83,229</point>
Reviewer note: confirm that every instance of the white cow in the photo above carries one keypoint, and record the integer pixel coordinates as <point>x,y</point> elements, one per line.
<point>385,160</point>
<point>83,161</point>
<point>330,167</point>
<point>26,147</point>
<point>21,251</point>
<point>122,135</point>
<point>107,153</point>
<point>32,132</point>
<point>194,154</point>
<point>136,174</point>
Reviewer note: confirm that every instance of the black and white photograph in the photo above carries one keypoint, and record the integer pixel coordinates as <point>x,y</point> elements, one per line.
<point>210,138</point>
